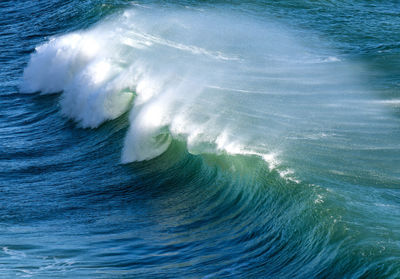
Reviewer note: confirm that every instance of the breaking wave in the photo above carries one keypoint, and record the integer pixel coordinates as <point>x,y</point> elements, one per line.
<point>222,84</point>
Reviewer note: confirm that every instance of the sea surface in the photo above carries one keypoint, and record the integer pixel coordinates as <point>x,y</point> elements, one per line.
<point>199,139</point>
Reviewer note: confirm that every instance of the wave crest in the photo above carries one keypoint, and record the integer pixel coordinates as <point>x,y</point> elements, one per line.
<point>220,83</point>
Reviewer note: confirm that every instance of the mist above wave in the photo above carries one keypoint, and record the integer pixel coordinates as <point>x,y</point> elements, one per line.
<point>220,82</point>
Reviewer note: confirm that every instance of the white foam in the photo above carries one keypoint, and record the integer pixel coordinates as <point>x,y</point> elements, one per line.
<point>78,65</point>
<point>390,102</point>
<point>14,253</point>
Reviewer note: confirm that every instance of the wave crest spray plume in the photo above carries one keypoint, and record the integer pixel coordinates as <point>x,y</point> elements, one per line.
<point>221,83</point>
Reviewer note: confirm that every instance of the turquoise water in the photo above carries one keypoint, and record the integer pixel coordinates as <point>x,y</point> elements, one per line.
<point>184,139</point>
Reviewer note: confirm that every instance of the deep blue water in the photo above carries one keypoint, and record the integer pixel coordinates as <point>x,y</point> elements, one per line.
<point>200,139</point>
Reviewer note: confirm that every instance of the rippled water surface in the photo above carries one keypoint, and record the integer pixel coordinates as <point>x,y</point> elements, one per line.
<point>199,139</point>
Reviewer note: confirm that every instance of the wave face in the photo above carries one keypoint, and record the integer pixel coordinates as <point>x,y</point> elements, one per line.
<point>207,140</point>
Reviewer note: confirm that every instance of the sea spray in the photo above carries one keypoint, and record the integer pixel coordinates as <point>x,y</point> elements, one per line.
<point>220,83</point>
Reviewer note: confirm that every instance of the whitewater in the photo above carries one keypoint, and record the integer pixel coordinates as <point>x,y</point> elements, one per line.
<point>244,89</point>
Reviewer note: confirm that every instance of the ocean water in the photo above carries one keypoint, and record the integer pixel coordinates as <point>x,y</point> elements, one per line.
<point>200,139</point>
